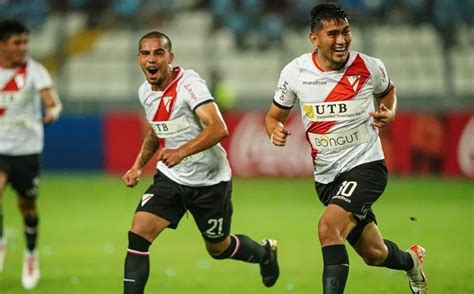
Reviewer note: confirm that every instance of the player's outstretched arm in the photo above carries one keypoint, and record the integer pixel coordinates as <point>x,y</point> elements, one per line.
<point>275,125</point>
<point>52,104</point>
<point>387,103</point>
<point>213,133</point>
<point>149,147</point>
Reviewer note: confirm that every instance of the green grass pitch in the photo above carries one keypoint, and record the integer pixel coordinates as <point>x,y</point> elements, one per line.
<point>85,218</point>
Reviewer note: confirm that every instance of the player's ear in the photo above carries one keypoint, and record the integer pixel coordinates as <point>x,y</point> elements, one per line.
<point>314,39</point>
<point>171,58</point>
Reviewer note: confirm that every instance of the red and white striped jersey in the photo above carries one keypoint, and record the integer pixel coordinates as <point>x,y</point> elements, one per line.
<point>21,123</point>
<point>175,123</point>
<point>335,108</point>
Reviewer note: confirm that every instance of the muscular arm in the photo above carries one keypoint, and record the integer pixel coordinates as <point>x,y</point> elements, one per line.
<point>387,107</point>
<point>149,147</point>
<point>275,125</point>
<point>52,104</point>
<point>213,133</point>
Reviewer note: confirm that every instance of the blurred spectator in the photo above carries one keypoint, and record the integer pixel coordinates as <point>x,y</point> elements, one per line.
<point>240,16</point>
<point>298,15</point>
<point>272,23</point>
<point>32,12</point>
<point>446,14</point>
<point>246,18</point>
<point>157,12</point>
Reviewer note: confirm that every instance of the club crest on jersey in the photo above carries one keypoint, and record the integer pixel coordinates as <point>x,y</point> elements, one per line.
<point>354,81</point>
<point>167,102</point>
<point>146,197</point>
<point>20,80</point>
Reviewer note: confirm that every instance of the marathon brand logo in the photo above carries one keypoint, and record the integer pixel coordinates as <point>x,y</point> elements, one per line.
<point>335,111</point>
<point>343,198</point>
<point>283,89</point>
<point>171,128</point>
<point>315,83</point>
<point>325,142</point>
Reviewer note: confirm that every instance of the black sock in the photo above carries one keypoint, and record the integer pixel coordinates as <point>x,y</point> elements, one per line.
<point>396,258</point>
<point>242,248</point>
<point>137,264</point>
<point>336,269</point>
<point>31,233</point>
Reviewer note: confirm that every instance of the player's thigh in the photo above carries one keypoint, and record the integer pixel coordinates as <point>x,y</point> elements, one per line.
<point>212,209</point>
<point>162,199</point>
<point>25,177</point>
<point>3,182</point>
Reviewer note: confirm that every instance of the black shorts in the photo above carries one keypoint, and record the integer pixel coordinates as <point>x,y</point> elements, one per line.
<point>211,206</point>
<point>355,191</point>
<point>23,173</point>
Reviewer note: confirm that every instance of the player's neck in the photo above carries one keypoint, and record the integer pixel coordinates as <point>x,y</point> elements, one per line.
<point>6,63</point>
<point>164,83</point>
<point>325,65</point>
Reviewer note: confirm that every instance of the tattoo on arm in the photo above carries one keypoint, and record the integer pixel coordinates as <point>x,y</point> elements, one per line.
<point>149,148</point>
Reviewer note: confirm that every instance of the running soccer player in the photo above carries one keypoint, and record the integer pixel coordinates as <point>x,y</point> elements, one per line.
<point>24,86</point>
<point>193,174</point>
<point>336,88</point>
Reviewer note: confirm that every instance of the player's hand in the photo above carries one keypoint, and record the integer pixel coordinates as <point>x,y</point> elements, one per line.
<point>279,135</point>
<point>382,117</point>
<point>170,156</point>
<point>132,177</point>
<point>49,118</point>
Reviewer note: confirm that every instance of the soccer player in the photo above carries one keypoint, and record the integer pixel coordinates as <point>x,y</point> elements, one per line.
<point>193,174</point>
<point>336,88</point>
<point>25,86</point>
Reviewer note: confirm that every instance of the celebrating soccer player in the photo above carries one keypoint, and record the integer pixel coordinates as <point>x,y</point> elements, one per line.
<point>336,88</point>
<point>193,174</point>
<point>24,86</point>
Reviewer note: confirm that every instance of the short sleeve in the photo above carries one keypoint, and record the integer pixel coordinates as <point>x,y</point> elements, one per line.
<point>381,79</point>
<point>285,96</point>
<point>196,93</point>
<point>41,78</point>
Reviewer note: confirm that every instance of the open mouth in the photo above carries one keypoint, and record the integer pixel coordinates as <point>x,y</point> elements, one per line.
<point>152,70</point>
<point>340,50</point>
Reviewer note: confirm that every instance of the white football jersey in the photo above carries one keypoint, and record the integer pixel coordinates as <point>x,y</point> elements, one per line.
<point>21,122</point>
<point>335,108</point>
<point>204,168</point>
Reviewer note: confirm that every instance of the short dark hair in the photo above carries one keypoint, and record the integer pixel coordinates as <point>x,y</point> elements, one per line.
<point>325,12</point>
<point>156,34</point>
<point>11,27</point>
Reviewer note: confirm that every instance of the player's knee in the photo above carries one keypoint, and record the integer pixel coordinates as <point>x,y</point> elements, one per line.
<point>221,250</point>
<point>28,209</point>
<point>328,232</point>
<point>217,254</point>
